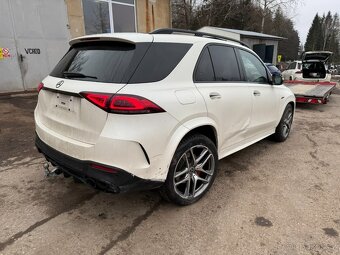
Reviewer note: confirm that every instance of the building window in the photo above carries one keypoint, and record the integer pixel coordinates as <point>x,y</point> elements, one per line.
<point>105,16</point>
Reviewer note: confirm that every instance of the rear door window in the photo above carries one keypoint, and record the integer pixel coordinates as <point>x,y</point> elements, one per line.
<point>224,63</point>
<point>101,62</point>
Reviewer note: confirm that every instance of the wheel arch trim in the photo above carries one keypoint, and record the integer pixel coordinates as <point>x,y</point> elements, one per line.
<point>181,133</point>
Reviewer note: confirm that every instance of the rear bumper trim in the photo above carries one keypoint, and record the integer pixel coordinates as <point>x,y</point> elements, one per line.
<point>116,181</point>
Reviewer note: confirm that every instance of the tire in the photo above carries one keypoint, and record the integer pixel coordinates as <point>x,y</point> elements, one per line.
<point>283,128</point>
<point>192,170</point>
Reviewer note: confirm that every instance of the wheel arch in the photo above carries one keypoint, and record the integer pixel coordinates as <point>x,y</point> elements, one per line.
<point>292,104</point>
<point>206,130</point>
<point>203,125</point>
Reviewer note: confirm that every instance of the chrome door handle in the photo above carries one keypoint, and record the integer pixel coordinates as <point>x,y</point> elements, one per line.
<point>256,93</point>
<point>215,95</point>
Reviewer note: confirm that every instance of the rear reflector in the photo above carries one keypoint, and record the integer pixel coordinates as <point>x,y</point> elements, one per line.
<point>104,168</point>
<point>40,86</point>
<point>122,104</point>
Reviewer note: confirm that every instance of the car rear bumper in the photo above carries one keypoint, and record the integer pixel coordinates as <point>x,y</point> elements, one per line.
<point>107,178</point>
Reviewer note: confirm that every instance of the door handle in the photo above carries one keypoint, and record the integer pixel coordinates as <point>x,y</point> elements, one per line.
<point>256,93</point>
<point>215,95</point>
<point>21,57</point>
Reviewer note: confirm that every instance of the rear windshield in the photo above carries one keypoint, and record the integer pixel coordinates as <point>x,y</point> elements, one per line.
<point>103,62</point>
<point>115,62</point>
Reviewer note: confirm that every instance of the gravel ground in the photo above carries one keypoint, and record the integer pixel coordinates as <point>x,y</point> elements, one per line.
<point>267,199</point>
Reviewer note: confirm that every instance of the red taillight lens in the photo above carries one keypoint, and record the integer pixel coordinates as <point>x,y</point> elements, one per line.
<point>40,86</point>
<point>298,72</point>
<point>132,104</point>
<point>122,104</point>
<point>101,100</point>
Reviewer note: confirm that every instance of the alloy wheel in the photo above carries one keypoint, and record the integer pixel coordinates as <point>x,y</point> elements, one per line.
<point>194,171</point>
<point>287,123</point>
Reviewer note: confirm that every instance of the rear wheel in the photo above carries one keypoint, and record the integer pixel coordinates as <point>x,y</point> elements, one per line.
<point>192,170</point>
<point>283,129</point>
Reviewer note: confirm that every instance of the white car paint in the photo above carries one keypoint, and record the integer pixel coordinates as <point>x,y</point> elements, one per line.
<point>293,71</point>
<point>86,132</point>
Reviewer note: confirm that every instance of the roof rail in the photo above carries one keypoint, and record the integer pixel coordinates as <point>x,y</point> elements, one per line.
<point>195,33</point>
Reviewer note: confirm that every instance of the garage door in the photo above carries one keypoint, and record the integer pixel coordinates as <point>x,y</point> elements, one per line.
<point>33,37</point>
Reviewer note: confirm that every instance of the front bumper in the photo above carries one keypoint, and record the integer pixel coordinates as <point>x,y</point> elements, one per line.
<point>107,178</point>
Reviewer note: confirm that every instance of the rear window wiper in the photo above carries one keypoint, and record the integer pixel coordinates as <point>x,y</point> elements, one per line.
<point>77,75</point>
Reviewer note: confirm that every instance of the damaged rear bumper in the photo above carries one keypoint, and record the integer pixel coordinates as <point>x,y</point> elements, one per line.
<point>103,177</point>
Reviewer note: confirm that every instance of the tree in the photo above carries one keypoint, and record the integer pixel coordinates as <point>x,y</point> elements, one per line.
<point>269,6</point>
<point>313,41</point>
<point>284,27</point>
<point>183,12</point>
<point>324,35</point>
<point>239,14</point>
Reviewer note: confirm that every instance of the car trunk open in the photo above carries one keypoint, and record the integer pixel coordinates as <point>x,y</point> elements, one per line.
<point>313,64</point>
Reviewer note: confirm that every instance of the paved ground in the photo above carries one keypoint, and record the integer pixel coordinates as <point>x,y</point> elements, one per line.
<point>268,199</point>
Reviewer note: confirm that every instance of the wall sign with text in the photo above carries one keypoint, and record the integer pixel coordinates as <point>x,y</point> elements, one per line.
<point>31,51</point>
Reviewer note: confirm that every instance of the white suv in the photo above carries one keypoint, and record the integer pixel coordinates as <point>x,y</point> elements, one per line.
<point>293,71</point>
<point>133,111</point>
<point>311,68</point>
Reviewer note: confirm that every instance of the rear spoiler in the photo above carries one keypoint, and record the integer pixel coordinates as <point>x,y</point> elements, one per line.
<point>131,38</point>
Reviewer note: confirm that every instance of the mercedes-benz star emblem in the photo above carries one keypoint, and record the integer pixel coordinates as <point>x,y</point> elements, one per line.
<point>59,84</point>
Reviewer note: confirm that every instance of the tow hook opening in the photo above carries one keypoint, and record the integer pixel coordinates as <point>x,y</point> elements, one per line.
<point>51,170</point>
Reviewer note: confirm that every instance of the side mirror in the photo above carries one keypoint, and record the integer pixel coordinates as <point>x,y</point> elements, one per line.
<point>277,79</point>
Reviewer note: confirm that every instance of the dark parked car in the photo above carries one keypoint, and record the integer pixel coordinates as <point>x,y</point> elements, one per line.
<point>273,69</point>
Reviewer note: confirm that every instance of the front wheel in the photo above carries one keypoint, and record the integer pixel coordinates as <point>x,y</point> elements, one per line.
<point>192,170</point>
<point>283,129</point>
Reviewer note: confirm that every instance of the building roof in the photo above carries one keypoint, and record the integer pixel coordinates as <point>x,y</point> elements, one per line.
<point>250,34</point>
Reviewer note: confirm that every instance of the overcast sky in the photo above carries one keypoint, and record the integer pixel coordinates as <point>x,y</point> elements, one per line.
<point>306,11</point>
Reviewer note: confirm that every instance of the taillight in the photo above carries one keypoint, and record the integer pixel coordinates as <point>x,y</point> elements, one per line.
<point>40,86</point>
<point>298,72</point>
<point>101,100</point>
<point>122,104</point>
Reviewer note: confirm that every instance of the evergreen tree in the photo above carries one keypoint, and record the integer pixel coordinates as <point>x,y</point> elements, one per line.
<point>324,35</point>
<point>313,41</point>
<point>282,26</point>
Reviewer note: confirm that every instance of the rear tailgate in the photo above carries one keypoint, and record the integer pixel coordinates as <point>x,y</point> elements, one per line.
<point>65,112</point>
<point>99,66</point>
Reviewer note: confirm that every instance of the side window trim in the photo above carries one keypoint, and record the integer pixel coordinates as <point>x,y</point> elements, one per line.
<point>212,63</point>
<point>266,69</point>
<point>198,63</point>
<point>240,65</point>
